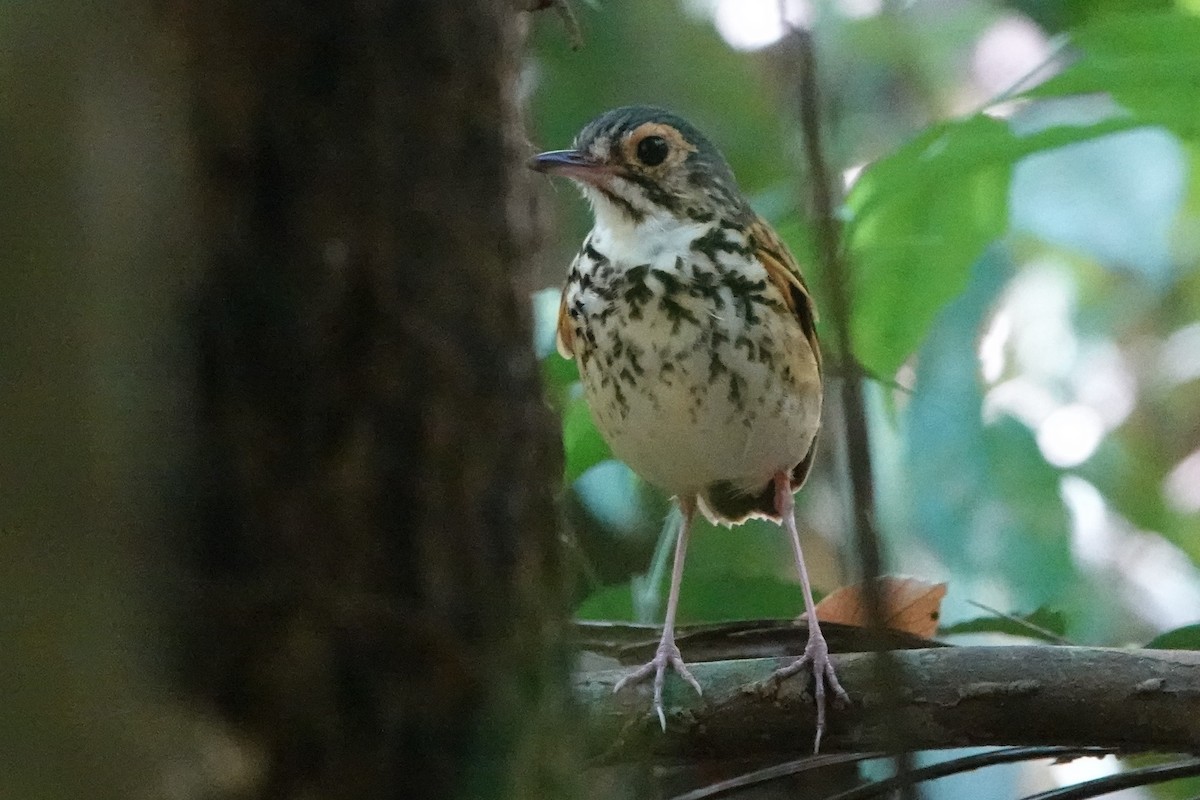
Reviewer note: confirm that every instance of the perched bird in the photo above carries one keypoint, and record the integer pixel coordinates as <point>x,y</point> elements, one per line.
<point>694,334</point>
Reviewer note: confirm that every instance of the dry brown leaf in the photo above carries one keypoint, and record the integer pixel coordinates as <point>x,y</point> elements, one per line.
<point>910,605</point>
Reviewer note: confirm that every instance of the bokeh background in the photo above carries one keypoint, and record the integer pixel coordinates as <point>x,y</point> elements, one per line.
<point>1023,216</point>
<point>1022,213</point>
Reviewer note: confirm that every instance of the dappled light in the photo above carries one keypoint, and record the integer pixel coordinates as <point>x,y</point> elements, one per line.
<point>1023,238</point>
<point>317,374</point>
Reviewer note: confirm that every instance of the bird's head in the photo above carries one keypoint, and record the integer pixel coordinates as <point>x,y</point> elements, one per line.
<point>639,164</point>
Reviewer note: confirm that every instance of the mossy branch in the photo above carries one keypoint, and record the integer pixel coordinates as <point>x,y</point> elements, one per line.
<point>954,697</point>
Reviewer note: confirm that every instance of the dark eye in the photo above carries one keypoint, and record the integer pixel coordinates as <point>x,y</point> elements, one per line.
<point>652,150</point>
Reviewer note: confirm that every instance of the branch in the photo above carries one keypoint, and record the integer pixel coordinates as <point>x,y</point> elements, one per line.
<point>954,697</point>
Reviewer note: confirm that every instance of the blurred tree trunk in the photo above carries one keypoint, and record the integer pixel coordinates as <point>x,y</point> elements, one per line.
<point>379,600</point>
<point>96,245</point>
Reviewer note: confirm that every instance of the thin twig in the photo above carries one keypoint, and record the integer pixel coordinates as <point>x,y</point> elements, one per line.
<point>1146,776</point>
<point>1031,78</point>
<point>858,371</point>
<point>858,449</point>
<point>1024,623</point>
<point>774,772</point>
<point>956,766</point>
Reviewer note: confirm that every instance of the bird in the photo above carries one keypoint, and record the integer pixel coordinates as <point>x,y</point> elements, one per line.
<point>695,336</point>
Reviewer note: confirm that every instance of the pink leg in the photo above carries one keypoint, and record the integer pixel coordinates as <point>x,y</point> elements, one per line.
<point>816,652</point>
<point>668,654</point>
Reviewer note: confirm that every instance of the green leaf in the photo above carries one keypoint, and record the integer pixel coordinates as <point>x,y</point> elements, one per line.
<point>1181,789</point>
<point>1148,63</point>
<point>922,216</point>
<point>919,219</point>
<point>609,603</point>
<point>797,234</point>
<point>1054,17</point>
<point>583,445</point>
<point>1185,638</point>
<point>1052,625</point>
<point>718,599</point>
<point>560,377</point>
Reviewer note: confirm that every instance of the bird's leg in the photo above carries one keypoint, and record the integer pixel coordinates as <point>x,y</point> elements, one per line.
<point>816,652</point>
<point>667,653</point>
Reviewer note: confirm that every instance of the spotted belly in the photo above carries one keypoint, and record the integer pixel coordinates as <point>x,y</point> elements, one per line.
<point>696,381</point>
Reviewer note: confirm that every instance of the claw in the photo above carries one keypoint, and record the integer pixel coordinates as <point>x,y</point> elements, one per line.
<point>816,661</point>
<point>816,652</point>
<point>666,655</point>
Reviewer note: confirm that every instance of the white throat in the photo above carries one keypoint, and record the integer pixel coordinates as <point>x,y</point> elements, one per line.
<point>658,236</point>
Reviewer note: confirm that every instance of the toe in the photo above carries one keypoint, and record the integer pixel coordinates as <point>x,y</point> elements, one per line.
<point>840,694</point>
<point>658,699</point>
<point>686,674</point>
<point>797,666</point>
<point>637,675</point>
<point>668,656</point>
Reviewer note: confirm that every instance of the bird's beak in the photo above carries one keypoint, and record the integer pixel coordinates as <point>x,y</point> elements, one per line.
<point>571,164</point>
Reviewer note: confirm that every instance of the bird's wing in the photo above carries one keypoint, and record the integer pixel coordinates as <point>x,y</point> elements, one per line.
<point>784,272</point>
<point>565,337</point>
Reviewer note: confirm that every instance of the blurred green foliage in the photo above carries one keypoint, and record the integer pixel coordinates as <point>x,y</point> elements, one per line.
<point>1024,263</point>
<point>1045,624</point>
<point>1147,62</point>
<point>1185,638</point>
<point>918,220</point>
<point>1056,17</point>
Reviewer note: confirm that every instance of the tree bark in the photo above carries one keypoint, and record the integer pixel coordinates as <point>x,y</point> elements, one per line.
<point>379,589</point>
<point>953,697</point>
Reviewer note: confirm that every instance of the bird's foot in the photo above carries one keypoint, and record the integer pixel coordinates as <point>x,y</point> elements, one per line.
<point>667,656</point>
<point>816,660</point>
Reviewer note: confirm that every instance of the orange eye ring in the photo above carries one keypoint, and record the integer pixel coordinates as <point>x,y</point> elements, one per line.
<point>654,144</point>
